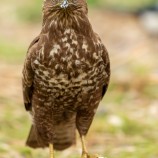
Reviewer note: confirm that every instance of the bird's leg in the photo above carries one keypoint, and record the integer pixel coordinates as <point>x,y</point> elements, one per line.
<point>51,149</point>
<point>84,149</point>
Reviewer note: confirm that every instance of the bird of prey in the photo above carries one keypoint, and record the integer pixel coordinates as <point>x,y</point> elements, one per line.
<point>66,74</point>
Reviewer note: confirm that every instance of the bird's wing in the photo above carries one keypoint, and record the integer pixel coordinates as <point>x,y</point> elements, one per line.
<point>28,75</point>
<point>107,69</point>
<point>106,61</point>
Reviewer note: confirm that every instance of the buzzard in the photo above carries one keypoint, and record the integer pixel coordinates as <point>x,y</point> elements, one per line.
<point>66,74</point>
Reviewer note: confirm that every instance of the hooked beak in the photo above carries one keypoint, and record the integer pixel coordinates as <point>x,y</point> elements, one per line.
<point>64,4</point>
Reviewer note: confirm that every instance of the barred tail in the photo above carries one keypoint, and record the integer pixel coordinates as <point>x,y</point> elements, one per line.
<point>65,136</point>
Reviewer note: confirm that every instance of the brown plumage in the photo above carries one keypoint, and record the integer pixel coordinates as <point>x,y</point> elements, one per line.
<point>66,74</point>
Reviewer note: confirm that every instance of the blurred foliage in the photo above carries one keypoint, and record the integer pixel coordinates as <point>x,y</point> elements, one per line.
<point>127,5</point>
<point>30,12</point>
<point>11,52</point>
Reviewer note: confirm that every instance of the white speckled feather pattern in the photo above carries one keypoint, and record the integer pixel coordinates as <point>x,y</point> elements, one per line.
<point>66,74</point>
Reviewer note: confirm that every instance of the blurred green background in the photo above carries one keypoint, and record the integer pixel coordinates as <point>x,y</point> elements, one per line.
<point>126,125</point>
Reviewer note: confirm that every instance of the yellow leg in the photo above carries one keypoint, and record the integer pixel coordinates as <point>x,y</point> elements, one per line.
<point>84,149</point>
<point>85,152</point>
<point>51,149</point>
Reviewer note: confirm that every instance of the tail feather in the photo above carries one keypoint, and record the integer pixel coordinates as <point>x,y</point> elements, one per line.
<point>33,139</point>
<point>64,138</point>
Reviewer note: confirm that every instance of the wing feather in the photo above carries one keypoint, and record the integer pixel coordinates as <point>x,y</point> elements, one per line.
<point>106,60</point>
<point>28,75</point>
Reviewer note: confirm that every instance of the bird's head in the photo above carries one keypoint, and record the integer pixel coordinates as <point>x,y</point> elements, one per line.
<point>51,6</point>
<point>60,14</point>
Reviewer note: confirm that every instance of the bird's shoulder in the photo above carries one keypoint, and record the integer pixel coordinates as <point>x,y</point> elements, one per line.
<point>102,46</point>
<point>33,45</point>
